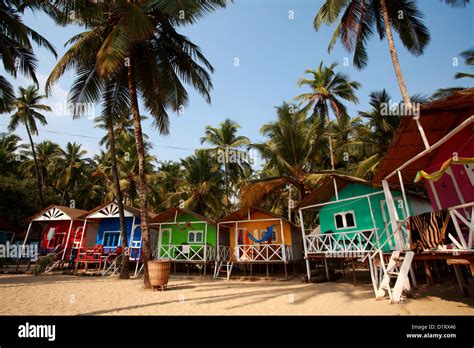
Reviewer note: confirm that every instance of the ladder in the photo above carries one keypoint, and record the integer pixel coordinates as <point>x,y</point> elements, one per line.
<point>220,269</point>
<point>54,265</point>
<point>398,268</point>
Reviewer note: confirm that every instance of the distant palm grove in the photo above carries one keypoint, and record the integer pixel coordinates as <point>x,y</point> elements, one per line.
<point>131,54</point>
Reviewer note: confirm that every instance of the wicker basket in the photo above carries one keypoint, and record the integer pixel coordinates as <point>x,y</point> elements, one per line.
<point>159,271</point>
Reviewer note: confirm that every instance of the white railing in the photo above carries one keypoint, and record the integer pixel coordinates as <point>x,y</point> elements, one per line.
<point>462,215</point>
<point>343,242</point>
<point>188,253</point>
<point>263,252</point>
<point>223,253</point>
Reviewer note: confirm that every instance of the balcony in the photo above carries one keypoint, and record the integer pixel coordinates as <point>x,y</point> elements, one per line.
<point>263,253</point>
<point>187,253</point>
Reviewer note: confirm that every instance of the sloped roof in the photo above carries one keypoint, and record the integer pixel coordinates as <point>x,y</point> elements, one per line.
<point>168,215</point>
<point>130,209</point>
<point>73,213</point>
<point>437,118</point>
<point>242,214</point>
<point>325,191</point>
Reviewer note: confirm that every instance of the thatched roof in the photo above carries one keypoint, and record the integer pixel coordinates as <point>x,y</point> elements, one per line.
<point>437,118</point>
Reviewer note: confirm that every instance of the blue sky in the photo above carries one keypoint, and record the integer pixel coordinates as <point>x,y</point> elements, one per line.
<point>274,42</point>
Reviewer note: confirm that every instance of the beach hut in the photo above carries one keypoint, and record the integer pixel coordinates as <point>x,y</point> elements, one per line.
<point>58,229</point>
<point>351,217</point>
<point>437,148</point>
<point>184,237</point>
<point>254,235</point>
<point>102,226</point>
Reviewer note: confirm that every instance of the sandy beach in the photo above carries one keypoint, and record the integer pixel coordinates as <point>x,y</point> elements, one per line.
<point>73,295</point>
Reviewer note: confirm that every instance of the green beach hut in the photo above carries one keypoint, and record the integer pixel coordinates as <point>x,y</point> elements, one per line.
<point>184,237</point>
<point>351,215</point>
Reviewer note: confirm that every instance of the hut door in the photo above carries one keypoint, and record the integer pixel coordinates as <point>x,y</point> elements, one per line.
<point>164,243</point>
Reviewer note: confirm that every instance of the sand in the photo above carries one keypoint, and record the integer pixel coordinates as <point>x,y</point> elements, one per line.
<point>73,295</point>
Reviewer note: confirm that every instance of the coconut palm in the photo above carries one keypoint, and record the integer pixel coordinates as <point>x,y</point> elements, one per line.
<point>28,108</point>
<point>328,91</point>
<point>201,186</point>
<point>291,152</point>
<point>361,19</point>
<point>73,170</point>
<point>48,155</point>
<point>468,56</point>
<point>16,51</point>
<point>10,157</point>
<point>227,147</point>
<point>141,37</point>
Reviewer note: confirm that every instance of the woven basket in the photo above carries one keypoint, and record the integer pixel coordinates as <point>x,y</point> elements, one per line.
<point>159,271</point>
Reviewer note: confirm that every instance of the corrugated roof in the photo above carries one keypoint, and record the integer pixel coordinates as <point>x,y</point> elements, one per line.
<point>437,118</point>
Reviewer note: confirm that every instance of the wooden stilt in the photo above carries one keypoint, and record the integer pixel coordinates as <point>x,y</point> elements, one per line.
<point>267,270</point>
<point>429,276</point>
<point>250,271</point>
<point>354,272</point>
<point>286,272</point>
<point>326,266</point>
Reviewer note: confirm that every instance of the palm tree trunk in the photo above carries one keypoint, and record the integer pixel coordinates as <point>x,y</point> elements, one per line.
<point>394,56</point>
<point>37,171</point>
<point>142,184</point>
<point>124,272</point>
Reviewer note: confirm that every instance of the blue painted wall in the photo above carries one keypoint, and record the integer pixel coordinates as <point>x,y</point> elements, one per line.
<point>113,225</point>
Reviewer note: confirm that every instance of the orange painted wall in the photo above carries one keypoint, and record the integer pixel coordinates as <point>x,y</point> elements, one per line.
<point>260,225</point>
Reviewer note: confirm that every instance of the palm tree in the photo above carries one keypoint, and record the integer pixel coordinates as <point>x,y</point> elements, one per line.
<point>16,51</point>
<point>48,155</point>
<point>10,158</point>
<point>375,137</point>
<point>224,140</point>
<point>140,38</point>
<point>201,185</point>
<point>28,107</point>
<point>360,19</point>
<point>73,169</point>
<point>328,89</point>
<point>291,153</point>
<point>468,56</point>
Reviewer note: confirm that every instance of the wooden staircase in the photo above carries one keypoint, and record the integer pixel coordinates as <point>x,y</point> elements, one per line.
<point>223,267</point>
<point>398,269</point>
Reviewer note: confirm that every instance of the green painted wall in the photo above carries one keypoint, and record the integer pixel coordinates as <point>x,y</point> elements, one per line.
<point>361,210</point>
<point>179,237</point>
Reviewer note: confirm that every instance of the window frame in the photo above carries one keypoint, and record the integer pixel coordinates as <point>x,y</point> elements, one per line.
<point>344,220</point>
<point>264,231</point>
<point>118,240</point>
<point>195,233</point>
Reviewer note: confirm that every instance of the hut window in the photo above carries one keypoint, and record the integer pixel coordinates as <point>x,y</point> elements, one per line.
<point>195,237</point>
<point>273,236</point>
<point>344,220</point>
<point>111,239</point>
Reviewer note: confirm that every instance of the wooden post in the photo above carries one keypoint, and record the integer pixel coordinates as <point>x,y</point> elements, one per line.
<point>429,276</point>
<point>67,239</point>
<point>354,273</point>
<point>326,266</point>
